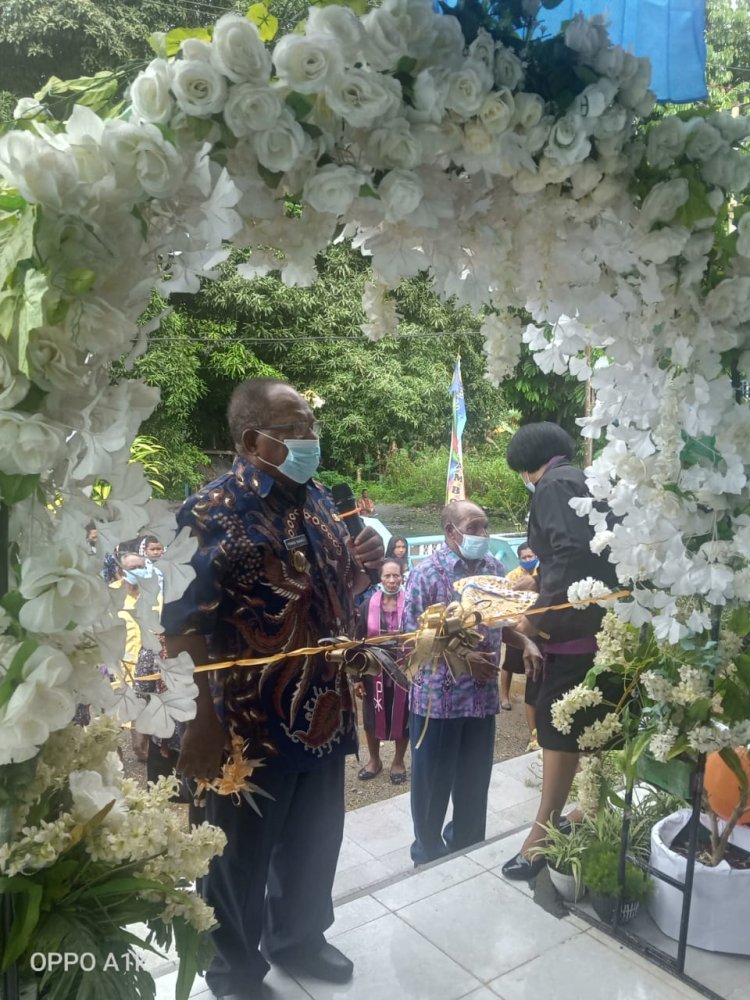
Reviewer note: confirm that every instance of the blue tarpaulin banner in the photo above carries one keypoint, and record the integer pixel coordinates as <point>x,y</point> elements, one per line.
<point>670,32</point>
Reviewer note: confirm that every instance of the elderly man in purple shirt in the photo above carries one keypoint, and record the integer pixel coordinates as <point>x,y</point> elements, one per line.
<point>454,756</point>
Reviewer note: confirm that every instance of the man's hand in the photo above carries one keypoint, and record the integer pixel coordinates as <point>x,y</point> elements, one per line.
<point>525,582</point>
<point>483,666</point>
<point>368,548</point>
<point>202,748</point>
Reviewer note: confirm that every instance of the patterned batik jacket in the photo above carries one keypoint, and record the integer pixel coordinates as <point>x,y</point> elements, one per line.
<point>273,573</point>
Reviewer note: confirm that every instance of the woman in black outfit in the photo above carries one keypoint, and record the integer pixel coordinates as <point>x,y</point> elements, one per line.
<point>542,453</point>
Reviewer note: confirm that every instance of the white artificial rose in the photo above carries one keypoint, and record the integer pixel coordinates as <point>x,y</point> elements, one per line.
<point>610,62</point>
<point>195,49</point>
<point>401,193</point>
<point>568,142</point>
<point>467,88</point>
<point>584,178</point>
<point>150,94</point>
<point>238,50</point>
<point>280,147</point>
<point>28,443</point>
<point>507,67</point>
<point>732,129</point>
<point>536,137</point>
<point>528,182</point>
<point>61,586</point>
<point>663,200</point>
<point>199,89</point>
<point>341,25</point>
<point>483,49</point>
<point>384,40</point>
<point>418,22</point>
<point>587,36</point>
<point>393,145</point>
<point>41,173</point>
<point>96,326</point>
<point>636,88</point>
<point>362,97</point>
<point>439,140</point>
<point>477,140</point>
<point>643,107</point>
<point>447,45</point>
<point>703,140</point>
<point>594,100</point>
<point>52,358</point>
<point>666,142</point>
<point>307,63</point>
<point>613,125</point>
<point>428,98</point>
<point>497,111</point>
<point>251,108</point>
<point>143,160</point>
<point>40,703</point>
<point>333,188</point>
<point>743,236</point>
<point>528,112</point>
<point>13,384</point>
<point>728,299</point>
<point>90,795</point>
<point>660,245</point>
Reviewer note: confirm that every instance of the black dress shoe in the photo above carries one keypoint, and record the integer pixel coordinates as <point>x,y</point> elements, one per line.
<point>523,869</point>
<point>326,963</point>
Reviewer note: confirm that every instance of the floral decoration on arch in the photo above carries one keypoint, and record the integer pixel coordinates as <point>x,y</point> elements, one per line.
<point>519,172</point>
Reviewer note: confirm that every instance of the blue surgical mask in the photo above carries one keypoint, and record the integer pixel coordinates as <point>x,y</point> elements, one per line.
<point>531,487</point>
<point>474,546</point>
<point>390,593</point>
<point>529,564</point>
<point>130,578</point>
<point>302,460</point>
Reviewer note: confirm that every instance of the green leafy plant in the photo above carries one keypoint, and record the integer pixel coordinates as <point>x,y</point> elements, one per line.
<point>600,874</point>
<point>565,850</point>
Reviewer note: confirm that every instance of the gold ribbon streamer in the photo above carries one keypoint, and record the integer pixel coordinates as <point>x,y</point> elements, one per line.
<point>404,636</point>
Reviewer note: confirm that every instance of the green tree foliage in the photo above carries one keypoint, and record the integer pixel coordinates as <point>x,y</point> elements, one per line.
<point>73,38</point>
<point>728,52</point>
<point>378,398</point>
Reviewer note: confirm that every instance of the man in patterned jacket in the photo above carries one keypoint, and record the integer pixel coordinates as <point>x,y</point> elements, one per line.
<point>275,571</point>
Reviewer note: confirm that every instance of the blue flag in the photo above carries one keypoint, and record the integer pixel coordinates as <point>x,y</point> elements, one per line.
<point>672,33</point>
<point>455,487</point>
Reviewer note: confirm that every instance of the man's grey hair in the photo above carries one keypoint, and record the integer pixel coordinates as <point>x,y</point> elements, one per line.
<point>248,406</point>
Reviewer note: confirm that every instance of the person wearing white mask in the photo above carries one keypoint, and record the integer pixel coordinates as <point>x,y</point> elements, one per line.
<point>276,571</point>
<point>452,719</point>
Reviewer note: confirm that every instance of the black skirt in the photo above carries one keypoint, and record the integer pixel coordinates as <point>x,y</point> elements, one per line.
<point>561,673</point>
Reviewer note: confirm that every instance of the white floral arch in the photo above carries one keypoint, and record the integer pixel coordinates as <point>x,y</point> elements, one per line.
<point>430,156</point>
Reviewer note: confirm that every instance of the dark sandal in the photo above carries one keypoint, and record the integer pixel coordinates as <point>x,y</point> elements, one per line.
<point>398,777</point>
<point>365,775</point>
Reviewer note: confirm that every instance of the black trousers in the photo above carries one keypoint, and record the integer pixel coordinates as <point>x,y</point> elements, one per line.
<point>273,882</point>
<point>453,762</point>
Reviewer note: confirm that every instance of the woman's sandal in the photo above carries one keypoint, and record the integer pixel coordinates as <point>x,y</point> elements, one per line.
<point>365,775</point>
<point>398,777</point>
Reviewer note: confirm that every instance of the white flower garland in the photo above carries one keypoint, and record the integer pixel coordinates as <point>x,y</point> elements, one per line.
<point>430,156</point>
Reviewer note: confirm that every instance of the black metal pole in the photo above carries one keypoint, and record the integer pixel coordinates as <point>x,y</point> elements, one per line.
<point>10,976</point>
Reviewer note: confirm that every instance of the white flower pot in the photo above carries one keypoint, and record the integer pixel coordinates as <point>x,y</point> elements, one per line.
<point>566,885</point>
<point>720,907</point>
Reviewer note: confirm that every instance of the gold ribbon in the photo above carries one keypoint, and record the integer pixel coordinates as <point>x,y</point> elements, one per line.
<point>445,632</point>
<point>448,622</point>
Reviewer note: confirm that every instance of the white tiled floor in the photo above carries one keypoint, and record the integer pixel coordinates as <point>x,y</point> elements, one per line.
<point>458,931</point>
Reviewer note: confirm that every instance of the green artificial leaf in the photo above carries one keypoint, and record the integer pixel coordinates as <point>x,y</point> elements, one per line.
<point>157,41</point>
<point>272,180</point>
<point>10,300</point>
<point>13,489</point>
<point>12,602</point>
<point>367,192</point>
<point>699,450</point>
<point>299,104</point>
<point>739,621</point>
<point>551,4</point>
<point>26,908</point>
<point>185,939</point>
<point>11,202</point>
<point>174,38</point>
<point>312,130</point>
<point>16,241</point>
<point>31,313</point>
<point>266,23</point>
<point>359,7</point>
<point>406,65</point>
<point>12,675</point>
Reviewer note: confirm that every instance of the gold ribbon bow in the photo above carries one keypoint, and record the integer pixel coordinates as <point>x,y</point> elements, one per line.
<point>360,659</point>
<point>448,633</point>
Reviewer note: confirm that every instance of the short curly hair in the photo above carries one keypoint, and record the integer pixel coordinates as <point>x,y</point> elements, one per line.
<point>248,406</point>
<point>533,445</point>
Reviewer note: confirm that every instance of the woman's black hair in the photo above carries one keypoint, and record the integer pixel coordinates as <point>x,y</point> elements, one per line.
<point>535,444</point>
<point>392,544</point>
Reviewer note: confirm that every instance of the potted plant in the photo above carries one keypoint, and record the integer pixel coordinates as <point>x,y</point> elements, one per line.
<point>601,864</point>
<point>564,851</point>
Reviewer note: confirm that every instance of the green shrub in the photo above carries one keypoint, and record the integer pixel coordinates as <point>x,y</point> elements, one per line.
<point>600,867</point>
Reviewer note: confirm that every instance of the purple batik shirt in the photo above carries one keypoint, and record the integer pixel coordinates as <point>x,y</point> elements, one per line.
<point>431,582</point>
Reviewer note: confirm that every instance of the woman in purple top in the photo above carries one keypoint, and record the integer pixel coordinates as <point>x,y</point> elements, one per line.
<point>560,538</point>
<point>385,708</point>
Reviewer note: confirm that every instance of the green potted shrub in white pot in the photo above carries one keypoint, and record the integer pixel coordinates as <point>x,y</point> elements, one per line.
<point>564,851</point>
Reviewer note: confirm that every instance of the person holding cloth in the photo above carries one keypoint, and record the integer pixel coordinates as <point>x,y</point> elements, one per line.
<point>523,577</point>
<point>452,750</point>
<point>275,571</point>
<point>385,704</point>
<point>542,454</point>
